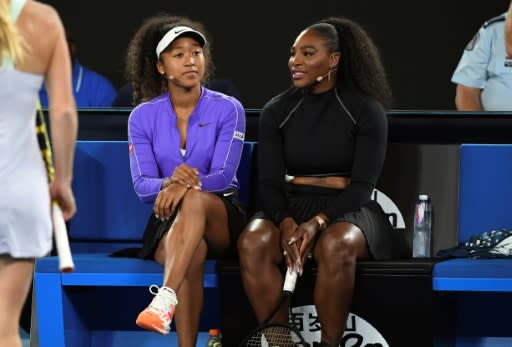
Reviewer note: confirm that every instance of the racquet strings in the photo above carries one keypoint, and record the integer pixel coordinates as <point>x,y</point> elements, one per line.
<point>274,335</point>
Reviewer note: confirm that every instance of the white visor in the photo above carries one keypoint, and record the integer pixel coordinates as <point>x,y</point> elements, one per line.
<point>173,34</point>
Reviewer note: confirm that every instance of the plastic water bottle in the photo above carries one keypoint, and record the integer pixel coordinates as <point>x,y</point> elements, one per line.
<point>422,233</point>
<point>214,338</point>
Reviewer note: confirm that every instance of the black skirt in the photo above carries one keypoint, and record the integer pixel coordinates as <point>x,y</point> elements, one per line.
<point>383,241</point>
<point>156,229</point>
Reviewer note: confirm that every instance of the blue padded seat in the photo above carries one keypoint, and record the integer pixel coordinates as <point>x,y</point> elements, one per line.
<point>492,275</point>
<point>97,269</point>
<point>485,192</point>
<point>108,208</point>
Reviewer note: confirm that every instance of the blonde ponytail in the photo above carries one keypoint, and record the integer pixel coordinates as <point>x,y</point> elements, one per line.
<point>11,42</point>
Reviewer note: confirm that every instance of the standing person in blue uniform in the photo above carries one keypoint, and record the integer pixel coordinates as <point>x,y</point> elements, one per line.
<point>185,144</point>
<point>28,58</point>
<point>484,73</point>
<point>89,87</point>
<point>508,32</point>
<point>321,149</point>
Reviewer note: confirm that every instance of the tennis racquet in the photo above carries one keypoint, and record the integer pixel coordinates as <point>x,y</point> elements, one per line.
<point>275,334</point>
<point>59,226</point>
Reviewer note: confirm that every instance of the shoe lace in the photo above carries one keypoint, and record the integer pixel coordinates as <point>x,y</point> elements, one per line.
<point>161,302</point>
<point>154,287</point>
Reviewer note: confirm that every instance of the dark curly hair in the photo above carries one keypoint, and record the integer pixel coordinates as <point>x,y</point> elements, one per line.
<point>141,58</point>
<point>361,65</point>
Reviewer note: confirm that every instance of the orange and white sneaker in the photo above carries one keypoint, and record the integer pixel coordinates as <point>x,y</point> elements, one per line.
<point>158,315</point>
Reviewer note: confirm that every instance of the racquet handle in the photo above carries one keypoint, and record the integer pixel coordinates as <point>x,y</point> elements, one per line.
<point>61,240</point>
<point>290,280</point>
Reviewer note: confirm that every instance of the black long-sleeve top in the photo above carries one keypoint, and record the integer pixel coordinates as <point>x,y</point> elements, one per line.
<point>340,132</point>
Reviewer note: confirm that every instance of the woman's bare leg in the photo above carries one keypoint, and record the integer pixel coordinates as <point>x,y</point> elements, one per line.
<point>336,252</point>
<point>15,281</point>
<point>201,223</point>
<point>260,260</point>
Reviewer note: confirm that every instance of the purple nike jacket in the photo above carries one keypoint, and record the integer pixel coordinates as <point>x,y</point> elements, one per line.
<point>215,136</point>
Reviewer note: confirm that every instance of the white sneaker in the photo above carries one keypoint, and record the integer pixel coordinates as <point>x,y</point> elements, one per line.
<point>158,315</point>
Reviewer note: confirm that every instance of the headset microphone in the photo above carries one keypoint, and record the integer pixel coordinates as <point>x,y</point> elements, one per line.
<point>321,78</point>
<point>167,77</point>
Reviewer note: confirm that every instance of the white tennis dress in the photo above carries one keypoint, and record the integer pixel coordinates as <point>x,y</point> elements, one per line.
<point>25,223</point>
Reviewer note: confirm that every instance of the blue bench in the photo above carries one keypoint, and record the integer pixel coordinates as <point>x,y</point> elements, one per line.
<point>96,304</point>
<point>480,287</point>
<point>485,203</point>
<point>79,308</point>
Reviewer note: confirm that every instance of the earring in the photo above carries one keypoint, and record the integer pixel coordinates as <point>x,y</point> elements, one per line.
<point>329,74</point>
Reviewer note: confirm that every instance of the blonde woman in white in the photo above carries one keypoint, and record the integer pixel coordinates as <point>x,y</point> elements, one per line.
<point>33,50</point>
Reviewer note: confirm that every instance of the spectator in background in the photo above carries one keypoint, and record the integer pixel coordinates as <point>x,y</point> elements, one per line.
<point>508,33</point>
<point>185,143</point>
<point>321,149</point>
<point>224,86</point>
<point>26,59</point>
<point>89,87</point>
<point>484,73</point>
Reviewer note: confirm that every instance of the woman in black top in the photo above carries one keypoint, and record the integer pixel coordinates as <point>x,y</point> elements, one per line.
<point>321,149</point>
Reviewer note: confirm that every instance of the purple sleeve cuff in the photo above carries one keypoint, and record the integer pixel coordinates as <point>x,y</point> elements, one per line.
<point>147,189</point>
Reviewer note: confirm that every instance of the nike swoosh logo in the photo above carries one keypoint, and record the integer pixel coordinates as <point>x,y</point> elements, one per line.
<point>178,31</point>
<point>202,125</point>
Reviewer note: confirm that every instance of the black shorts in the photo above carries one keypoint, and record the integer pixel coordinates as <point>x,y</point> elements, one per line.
<point>383,241</point>
<point>156,229</point>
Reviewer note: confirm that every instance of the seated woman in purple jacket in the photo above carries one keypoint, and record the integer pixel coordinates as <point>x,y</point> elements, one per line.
<point>185,143</point>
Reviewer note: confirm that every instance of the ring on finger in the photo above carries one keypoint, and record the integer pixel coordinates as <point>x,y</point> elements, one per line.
<point>310,255</point>
<point>285,253</point>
